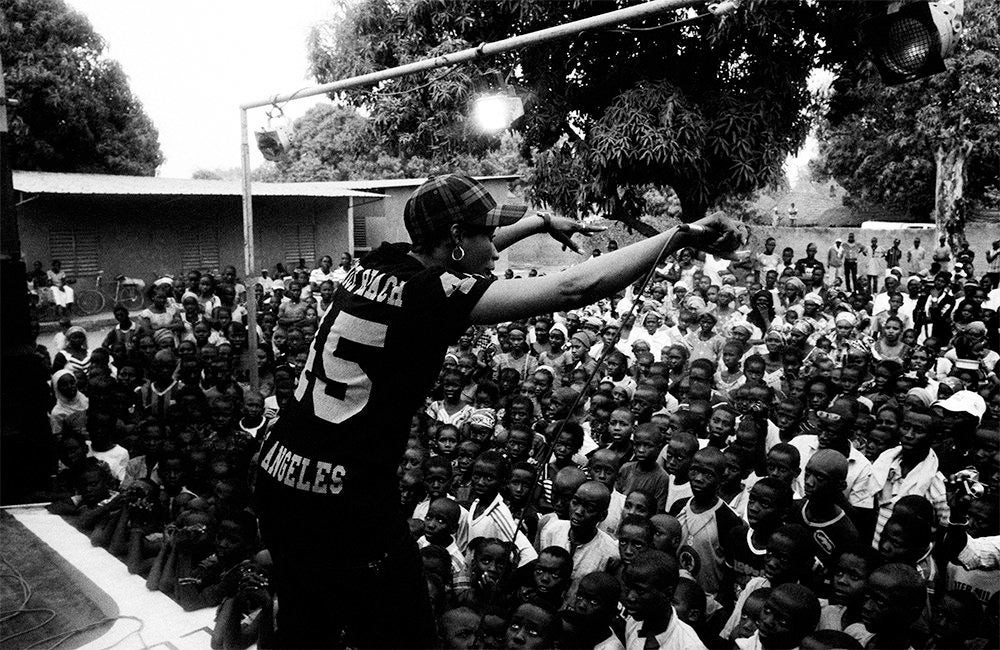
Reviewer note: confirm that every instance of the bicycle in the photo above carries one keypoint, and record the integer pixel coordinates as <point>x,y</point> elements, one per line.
<point>128,292</point>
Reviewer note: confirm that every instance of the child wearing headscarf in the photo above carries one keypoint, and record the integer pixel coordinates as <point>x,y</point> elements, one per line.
<point>71,405</point>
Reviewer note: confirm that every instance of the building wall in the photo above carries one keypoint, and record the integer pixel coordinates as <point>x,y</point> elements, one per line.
<point>385,217</point>
<point>147,237</point>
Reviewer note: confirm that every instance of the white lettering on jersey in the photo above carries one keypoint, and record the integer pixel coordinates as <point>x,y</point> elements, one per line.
<point>451,283</point>
<point>343,388</point>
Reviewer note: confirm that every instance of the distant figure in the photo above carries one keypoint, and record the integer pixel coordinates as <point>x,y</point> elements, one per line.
<point>775,217</point>
<point>612,245</point>
<point>793,214</point>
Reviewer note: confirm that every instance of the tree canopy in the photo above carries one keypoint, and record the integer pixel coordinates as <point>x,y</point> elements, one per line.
<point>337,143</point>
<point>707,107</point>
<point>899,146</point>
<point>74,111</point>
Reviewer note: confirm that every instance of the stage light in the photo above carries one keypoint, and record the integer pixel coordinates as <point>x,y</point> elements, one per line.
<point>274,139</point>
<point>496,112</point>
<point>912,41</point>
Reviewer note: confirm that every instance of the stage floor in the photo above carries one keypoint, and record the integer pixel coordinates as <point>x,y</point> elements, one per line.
<point>83,585</point>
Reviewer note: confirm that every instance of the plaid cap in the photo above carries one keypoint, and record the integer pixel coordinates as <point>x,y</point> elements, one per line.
<point>485,418</point>
<point>454,198</point>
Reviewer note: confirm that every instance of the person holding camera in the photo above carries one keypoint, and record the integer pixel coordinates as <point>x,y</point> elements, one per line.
<point>972,539</point>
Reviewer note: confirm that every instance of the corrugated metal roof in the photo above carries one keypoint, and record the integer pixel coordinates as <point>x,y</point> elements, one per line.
<point>55,183</point>
<point>386,183</point>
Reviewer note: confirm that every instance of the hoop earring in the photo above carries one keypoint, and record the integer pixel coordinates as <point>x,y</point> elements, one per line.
<point>458,253</point>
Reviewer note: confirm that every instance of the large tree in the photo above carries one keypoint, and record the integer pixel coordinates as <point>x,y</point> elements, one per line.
<point>930,148</point>
<point>707,107</point>
<point>73,110</point>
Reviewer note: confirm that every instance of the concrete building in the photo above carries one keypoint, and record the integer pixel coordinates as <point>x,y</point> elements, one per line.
<point>146,227</point>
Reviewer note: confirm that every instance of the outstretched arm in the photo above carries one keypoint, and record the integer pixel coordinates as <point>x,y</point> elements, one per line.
<point>560,228</point>
<point>601,276</point>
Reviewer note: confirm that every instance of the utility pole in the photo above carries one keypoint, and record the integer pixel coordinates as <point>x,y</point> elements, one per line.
<point>27,448</point>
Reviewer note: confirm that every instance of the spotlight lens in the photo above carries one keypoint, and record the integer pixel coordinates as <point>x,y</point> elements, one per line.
<point>492,113</point>
<point>910,46</point>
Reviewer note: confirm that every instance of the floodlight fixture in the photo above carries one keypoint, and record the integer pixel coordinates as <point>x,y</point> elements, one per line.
<point>911,41</point>
<point>496,112</point>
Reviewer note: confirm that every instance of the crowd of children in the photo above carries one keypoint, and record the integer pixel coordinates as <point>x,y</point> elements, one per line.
<point>742,455</point>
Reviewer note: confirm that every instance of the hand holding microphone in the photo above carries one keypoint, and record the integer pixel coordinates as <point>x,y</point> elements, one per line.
<point>718,235</point>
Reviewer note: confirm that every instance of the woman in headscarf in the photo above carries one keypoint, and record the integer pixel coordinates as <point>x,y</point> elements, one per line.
<point>74,356</point>
<point>774,343</point>
<point>763,310</point>
<point>71,406</point>
<point>558,357</point>
<point>791,297</point>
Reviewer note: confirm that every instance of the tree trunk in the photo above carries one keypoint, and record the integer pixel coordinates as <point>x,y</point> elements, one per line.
<point>949,186</point>
<point>692,207</point>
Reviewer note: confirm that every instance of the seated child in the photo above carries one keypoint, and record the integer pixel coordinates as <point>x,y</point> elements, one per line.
<point>218,575</point>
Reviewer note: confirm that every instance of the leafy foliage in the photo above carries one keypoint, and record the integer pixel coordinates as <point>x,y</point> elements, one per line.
<point>708,108</point>
<point>881,142</point>
<point>74,111</point>
<point>336,143</point>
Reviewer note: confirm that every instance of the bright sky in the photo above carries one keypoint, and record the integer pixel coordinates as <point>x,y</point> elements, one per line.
<point>192,63</point>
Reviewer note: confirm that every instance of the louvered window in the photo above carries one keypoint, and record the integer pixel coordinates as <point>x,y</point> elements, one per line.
<point>360,231</point>
<point>201,251</point>
<point>300,242</point>
<point>78,251</point>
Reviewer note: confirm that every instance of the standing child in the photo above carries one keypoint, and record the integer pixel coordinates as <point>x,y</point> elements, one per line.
<point>679,454</point>
<point>894,600</point>
<point>452,409</point>
<point>604,466</point>
<point>706,520</point>
<point>620,428</point>
<point>488,515</point>
<point>644,473</point>
<point>440,527</point>
<point>446,442</point>
<point>831,530</point>
<point>649,585</point>
<point>518,496</point>
<point>847,589</point>
<point>746,552</point>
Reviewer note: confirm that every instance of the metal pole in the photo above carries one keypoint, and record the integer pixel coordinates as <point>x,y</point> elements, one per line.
<point>487,49</point>
<point>249,260</point>
<point>350,225</point>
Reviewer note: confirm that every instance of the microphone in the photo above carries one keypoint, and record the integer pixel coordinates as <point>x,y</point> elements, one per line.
<point>695,229</point>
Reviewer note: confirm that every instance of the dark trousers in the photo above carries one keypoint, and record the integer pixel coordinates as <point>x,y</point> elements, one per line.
<point>851,274</point>
<point>332,596</point>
